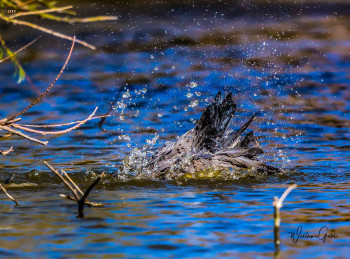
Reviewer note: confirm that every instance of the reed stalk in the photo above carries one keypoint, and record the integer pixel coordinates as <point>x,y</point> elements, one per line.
<point>277,205</point>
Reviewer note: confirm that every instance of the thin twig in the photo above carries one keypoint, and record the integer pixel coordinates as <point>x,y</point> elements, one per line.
<point>7,151</point>
<point>72,182</point>
<point>76,195</point>
<point>88,203</point>
<point>43,29</point>
<point>16,132</point>
<point>18,3</point>
<point>58,9</point>
<point>78,20</point>
<point>61,124</point>
<point>87,192</point>
<point>23,48</point>
<point>279,202</point>
<point>92,204</point>
<point>6,135</point>
<point>50,86</point>
<point>8,122</point>
<point>80,200</point>
<point>8,195</point>
<point>55,132</point>
<point>91,19</point>
<point>22,5</point>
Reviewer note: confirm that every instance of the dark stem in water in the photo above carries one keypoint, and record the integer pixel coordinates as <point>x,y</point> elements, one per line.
<point>277,205</point>
<point>79,196</point>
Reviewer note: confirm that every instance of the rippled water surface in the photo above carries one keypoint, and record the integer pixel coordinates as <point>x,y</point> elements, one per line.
<point>159,69</point>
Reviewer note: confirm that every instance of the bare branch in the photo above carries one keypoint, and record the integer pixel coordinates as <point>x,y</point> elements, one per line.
<point>87,192</point>
<point>92,19</point>
<point>7,151</point>
<point>72,182</point>
<point>55,132</point>
<point>16,132</point>
<point>81,201</point>
<point>58,9</point>
<point>61,124</point>
<point>88,203</point>
<point>76,195</point>
<point>50,86</point>
<point>43,29</point>
<point>279,202</point>
<point>24,5</point>
<point>8,195</point>
<point>7,122</point>
<point>23,48</point>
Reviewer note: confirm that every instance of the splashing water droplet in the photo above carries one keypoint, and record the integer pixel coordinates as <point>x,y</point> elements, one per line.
<point>124,137</point>
<point>126,94</point>
<point>193,85</point>
<point>194,103</point>
<point>121,105</point>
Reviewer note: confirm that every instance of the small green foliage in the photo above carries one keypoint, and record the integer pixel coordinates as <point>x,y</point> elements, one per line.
<point>19,71</point>
<point>12,9</point>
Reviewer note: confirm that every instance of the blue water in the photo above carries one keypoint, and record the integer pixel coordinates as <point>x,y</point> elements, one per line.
<point>293,70</point>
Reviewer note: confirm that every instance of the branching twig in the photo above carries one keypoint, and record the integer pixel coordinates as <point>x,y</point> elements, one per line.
<point>89,203</point>
<point>74,191</point>
<point>8,195</point>
<point>72,182</point>
<point>47,13</point>
<point>18,126</point>
<point>9,122</point>
<point>81,198</point>
<point>50,86</point>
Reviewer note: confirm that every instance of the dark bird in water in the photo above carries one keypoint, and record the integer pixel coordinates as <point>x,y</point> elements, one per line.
<point>211,145</point>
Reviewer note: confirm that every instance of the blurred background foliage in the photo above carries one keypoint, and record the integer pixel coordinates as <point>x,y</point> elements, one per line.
<point>51,10</point>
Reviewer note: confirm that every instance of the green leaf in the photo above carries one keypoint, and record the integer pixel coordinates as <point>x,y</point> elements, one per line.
<point>21,75</point>
<point>18,68</point>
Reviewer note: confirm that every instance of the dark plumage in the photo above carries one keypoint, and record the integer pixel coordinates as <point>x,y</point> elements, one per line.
<point>210,145</point>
